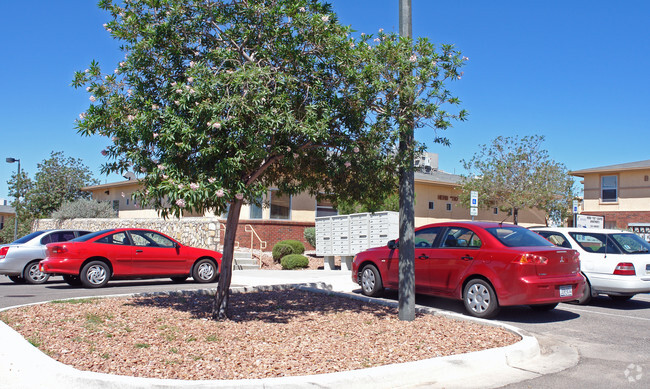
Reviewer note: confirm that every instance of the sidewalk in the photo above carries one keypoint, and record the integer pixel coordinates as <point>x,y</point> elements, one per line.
<point>24,366</point>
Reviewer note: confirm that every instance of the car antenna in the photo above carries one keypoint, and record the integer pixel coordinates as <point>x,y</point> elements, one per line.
<point>501,222</point>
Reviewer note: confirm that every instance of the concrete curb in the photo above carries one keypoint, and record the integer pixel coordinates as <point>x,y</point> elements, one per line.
<point>25,366</point>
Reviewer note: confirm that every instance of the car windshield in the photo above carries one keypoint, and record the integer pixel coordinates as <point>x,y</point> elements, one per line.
<point>29,237</point>
<point>518,237</point>
<point>88,237</point>
<point>631,243</point>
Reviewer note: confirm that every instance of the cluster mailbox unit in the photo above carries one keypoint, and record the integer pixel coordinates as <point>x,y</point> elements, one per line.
<point>347,235</point>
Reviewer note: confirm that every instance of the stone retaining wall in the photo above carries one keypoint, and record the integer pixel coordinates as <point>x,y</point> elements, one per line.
<point>196,232</point>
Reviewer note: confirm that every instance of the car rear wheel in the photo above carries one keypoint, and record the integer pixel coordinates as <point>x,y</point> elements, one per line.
<point>33,275</point>
<point>479,299</point>
<point>17,279</point>
<point>371,284</point>
<point>543,307</point>
<point>178,280</point>
<point>620,299</point>
<point>72,280</point>
<point>205,270</point>
<point>95,274</point>
<point>586,296</point>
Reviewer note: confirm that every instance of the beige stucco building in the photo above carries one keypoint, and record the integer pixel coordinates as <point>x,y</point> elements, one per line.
<point>619,193</point>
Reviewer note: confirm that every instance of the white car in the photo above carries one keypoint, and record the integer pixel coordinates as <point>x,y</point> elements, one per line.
<point>614,262</point>
<point>19,259</point>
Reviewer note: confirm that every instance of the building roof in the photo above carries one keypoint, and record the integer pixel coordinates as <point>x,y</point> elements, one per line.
<point>6,210</point>
<point>438,177</point>
<point>640,165</point>
<point>111,185</point>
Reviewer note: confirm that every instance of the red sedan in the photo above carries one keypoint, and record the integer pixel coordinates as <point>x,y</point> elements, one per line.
<point>93,259</point>
<point>487,265</point>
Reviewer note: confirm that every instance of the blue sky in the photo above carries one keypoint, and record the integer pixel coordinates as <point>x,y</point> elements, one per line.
<point>574,71</point>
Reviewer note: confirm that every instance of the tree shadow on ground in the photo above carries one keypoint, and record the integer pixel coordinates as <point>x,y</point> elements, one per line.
<point>272,306</point>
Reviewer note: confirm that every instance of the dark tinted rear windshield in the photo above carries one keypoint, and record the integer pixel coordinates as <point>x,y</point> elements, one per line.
<point>518,237</point>
<point>29,237</point>
<point>90,236</point>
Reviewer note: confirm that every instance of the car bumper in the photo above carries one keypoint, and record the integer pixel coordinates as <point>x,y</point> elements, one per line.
<point>624,285</point>
<point>536,290</point>
<point>60,266</point>
<point>12,266</point>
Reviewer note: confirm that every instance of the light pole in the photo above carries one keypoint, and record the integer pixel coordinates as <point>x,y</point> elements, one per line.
<point>12,160</point>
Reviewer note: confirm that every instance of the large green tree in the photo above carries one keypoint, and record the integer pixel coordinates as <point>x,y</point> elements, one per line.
<point>58,179</point>
<point>215,101</point>
<point>516,173</point>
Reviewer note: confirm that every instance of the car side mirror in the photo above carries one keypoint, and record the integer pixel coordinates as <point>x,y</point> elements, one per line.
<point>393,244</point>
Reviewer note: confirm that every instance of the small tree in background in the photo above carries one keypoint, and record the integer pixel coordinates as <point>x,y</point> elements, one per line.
<point>215,102</point>
<point>516,173</point>
<point>84,209</point>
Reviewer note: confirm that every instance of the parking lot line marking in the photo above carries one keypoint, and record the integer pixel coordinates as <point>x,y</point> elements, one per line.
<point>610,314</point>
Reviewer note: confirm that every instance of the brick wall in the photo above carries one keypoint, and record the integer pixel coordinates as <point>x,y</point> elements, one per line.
<point>622,219</point>
<point>271,231</point>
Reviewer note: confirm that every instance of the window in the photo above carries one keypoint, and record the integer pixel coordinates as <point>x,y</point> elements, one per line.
<point>117,238</point>
<point>425,238</point>
<point>151,239</point>
<point>461,237</point>
<point>556,238</point>
<point>256,210</point>
<point>595,243</point>
<point>609,188</point>
<point>495,211</point>
<point>449,207</point>
<point>325,208</point>
<point>280,206</point>
<point>431,205</point>
<point>60,236</point>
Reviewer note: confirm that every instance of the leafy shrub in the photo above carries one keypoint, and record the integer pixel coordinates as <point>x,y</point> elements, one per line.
<point>297,246</point>
<point>294,261</point>
<point>280,250</point>
<point>310,235</point>
<point>84,208</point>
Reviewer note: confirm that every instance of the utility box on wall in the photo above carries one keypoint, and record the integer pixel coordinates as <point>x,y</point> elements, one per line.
<point>347,235</point>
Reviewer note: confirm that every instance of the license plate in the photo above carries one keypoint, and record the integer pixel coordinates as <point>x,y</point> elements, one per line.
<point>566,291</point>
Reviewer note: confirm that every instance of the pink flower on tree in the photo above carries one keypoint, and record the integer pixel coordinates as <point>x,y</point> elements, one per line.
<point>212,180</point>
<point>93,99</point>
<point>181,186</point>
<point>155,135</point>
<point>216,125</point>
<point>194,186</point>
<point>220,193</point>
<point>180,203</point>
<point>104,153</point>
<point>239,196</point>
<point>413,58</point>
<point>356,149</point>
<point>347,164</point>
<point>325,18</point>
<point>161,167</point>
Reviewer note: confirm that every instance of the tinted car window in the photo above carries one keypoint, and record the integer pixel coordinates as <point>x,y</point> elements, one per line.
<point>595,243</point>
<point>426,237</point>
<point>556,238</point>
<point>518,237</point>
<point>117,238</point>
<point>89,236</point>
<point>460,237</point>
<point>60,236</point>
<point>631,243</point>
<point>149,238</point>
<point>29,237</point>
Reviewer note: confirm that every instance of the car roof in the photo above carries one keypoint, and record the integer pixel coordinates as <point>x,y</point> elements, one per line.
<point>580,229</point>
<point>469,224</point>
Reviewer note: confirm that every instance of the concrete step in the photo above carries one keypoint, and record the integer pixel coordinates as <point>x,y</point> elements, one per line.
<point>244,261</point>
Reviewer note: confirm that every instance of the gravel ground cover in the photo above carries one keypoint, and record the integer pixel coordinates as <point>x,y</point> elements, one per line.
<point>269,334</point>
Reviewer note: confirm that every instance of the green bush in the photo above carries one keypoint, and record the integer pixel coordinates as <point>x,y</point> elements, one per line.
<point>294,261</point>
<point>280,250</point>
<point>83,208</point>
<point>297,246</point>
<point>310,235</point>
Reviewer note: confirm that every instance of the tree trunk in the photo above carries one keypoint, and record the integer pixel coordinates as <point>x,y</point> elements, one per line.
<point>515,215</point>
<point>220,304</point>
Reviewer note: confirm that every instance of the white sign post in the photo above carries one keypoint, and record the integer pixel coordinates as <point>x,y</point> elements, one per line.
<point>473,203</point>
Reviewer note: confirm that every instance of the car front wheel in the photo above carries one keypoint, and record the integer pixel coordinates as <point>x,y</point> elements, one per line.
<point>95,274</point>
<point>33,275</point>
<point>479,299</point>
<point>205,270</point>
<point>371,284</point>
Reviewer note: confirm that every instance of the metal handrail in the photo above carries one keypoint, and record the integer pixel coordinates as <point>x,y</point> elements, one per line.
<point>249,228</point>
<point>222,227</point>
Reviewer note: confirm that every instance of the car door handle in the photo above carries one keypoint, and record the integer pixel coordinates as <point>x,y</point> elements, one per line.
<point>423,256</point>
<point>138,251</point>
<point>467,258</point>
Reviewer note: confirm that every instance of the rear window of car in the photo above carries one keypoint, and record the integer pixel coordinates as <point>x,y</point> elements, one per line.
<point>518,237</point>
<point>631,243</point>
<point>90,236</point>
<point>29,237</point>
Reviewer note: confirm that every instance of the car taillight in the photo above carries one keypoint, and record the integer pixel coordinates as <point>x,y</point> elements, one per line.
<point>58,250</point>
<point>3,252</point>
<point>625,269</point>
<point>531,259</point>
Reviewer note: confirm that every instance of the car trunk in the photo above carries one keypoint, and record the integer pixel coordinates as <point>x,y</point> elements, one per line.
<point>553,262</point>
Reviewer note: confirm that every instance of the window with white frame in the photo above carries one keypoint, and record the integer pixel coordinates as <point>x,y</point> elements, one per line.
<point>431,205</point>
<point>280,206</point>
<point>256,210</point>
<point>609,189</point>
<point>449,207</point>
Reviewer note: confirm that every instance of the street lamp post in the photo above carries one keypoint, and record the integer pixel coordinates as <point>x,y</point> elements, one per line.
<point>12,160</point>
